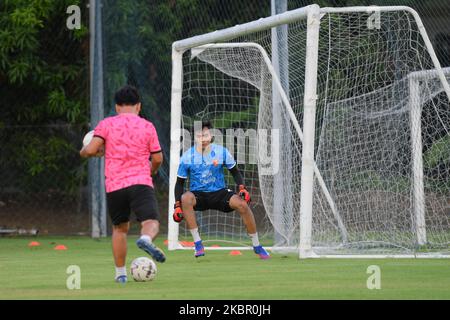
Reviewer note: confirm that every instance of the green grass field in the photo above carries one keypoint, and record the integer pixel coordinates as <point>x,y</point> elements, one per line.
<point>40,273</point>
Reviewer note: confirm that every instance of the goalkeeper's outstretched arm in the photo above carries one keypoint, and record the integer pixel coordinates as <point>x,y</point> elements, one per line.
<point>179,188</point>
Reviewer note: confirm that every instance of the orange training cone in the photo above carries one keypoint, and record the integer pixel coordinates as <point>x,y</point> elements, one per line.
<point>60,247</point>
<point>235,253</point>
<point>34,244</point>
<point>187,243</point>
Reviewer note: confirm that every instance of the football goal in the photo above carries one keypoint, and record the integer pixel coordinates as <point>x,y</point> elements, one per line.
<point>339,121</point>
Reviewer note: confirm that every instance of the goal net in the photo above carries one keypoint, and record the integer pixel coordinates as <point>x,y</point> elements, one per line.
<point>338,119</point>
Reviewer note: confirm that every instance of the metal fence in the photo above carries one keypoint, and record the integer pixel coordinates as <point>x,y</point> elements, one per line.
<point>43,187</point>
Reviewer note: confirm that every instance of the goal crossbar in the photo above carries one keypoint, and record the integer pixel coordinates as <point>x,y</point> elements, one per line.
<point>293,15</point>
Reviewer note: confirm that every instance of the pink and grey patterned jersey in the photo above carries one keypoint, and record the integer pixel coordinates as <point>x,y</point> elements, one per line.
<point>129,141</point>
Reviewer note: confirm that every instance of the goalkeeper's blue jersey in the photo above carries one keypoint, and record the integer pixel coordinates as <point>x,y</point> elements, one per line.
<point>205,172</point>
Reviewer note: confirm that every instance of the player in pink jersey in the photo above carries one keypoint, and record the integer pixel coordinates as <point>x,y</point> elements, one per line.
<point>128,142</point>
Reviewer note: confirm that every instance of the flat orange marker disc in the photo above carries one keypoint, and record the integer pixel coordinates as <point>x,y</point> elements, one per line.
<point>34,244</point>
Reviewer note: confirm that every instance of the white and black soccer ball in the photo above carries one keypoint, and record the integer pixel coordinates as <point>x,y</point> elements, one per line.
<point>143,269</point>
<point>88,138</point>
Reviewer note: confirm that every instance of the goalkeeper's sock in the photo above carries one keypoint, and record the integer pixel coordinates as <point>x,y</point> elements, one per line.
<point>195,234</point>
<point>121,271</point>
<point>146,238</point>
<point>255,239</point>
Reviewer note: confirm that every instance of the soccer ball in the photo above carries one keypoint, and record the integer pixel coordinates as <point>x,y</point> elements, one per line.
<point>88,137</point>
<point>143,269</point>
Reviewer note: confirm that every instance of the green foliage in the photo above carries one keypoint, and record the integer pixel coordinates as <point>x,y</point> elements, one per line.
<point>44,67</point>
<point>371,180</point>
<point>438,153</point>
<point>138,41</point>
<point>223,277</point>
<point>231,119</point>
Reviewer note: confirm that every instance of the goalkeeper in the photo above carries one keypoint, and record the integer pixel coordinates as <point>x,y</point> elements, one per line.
<point>203,165</point>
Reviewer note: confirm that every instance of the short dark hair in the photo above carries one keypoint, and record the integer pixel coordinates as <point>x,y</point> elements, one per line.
<point>127,96</point>
<point>206,124</point>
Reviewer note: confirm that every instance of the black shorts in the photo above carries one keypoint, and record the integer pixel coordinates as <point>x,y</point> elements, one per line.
<point>218,200</point>
<point>140,199</point>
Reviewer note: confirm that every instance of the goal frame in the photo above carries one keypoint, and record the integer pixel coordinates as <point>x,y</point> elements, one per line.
<point>313,15</point>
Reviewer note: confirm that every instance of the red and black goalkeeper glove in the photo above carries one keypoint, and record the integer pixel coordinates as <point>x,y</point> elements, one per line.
<point>178,214</point>
<point>243,193</point>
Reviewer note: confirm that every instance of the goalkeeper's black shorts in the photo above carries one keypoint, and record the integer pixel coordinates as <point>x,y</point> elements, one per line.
<point>139,199</point>
<point>217,200</point>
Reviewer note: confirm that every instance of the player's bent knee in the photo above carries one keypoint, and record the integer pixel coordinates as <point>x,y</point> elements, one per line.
<point>188,199</point>
<point>239,205</point>
<point>243,206</point>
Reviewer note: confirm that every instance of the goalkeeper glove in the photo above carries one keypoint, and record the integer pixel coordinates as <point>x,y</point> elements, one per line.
<point>178,214</point>
<point>243,193</point>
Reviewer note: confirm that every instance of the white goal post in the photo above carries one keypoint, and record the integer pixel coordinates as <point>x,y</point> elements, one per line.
<point>366,175</point>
